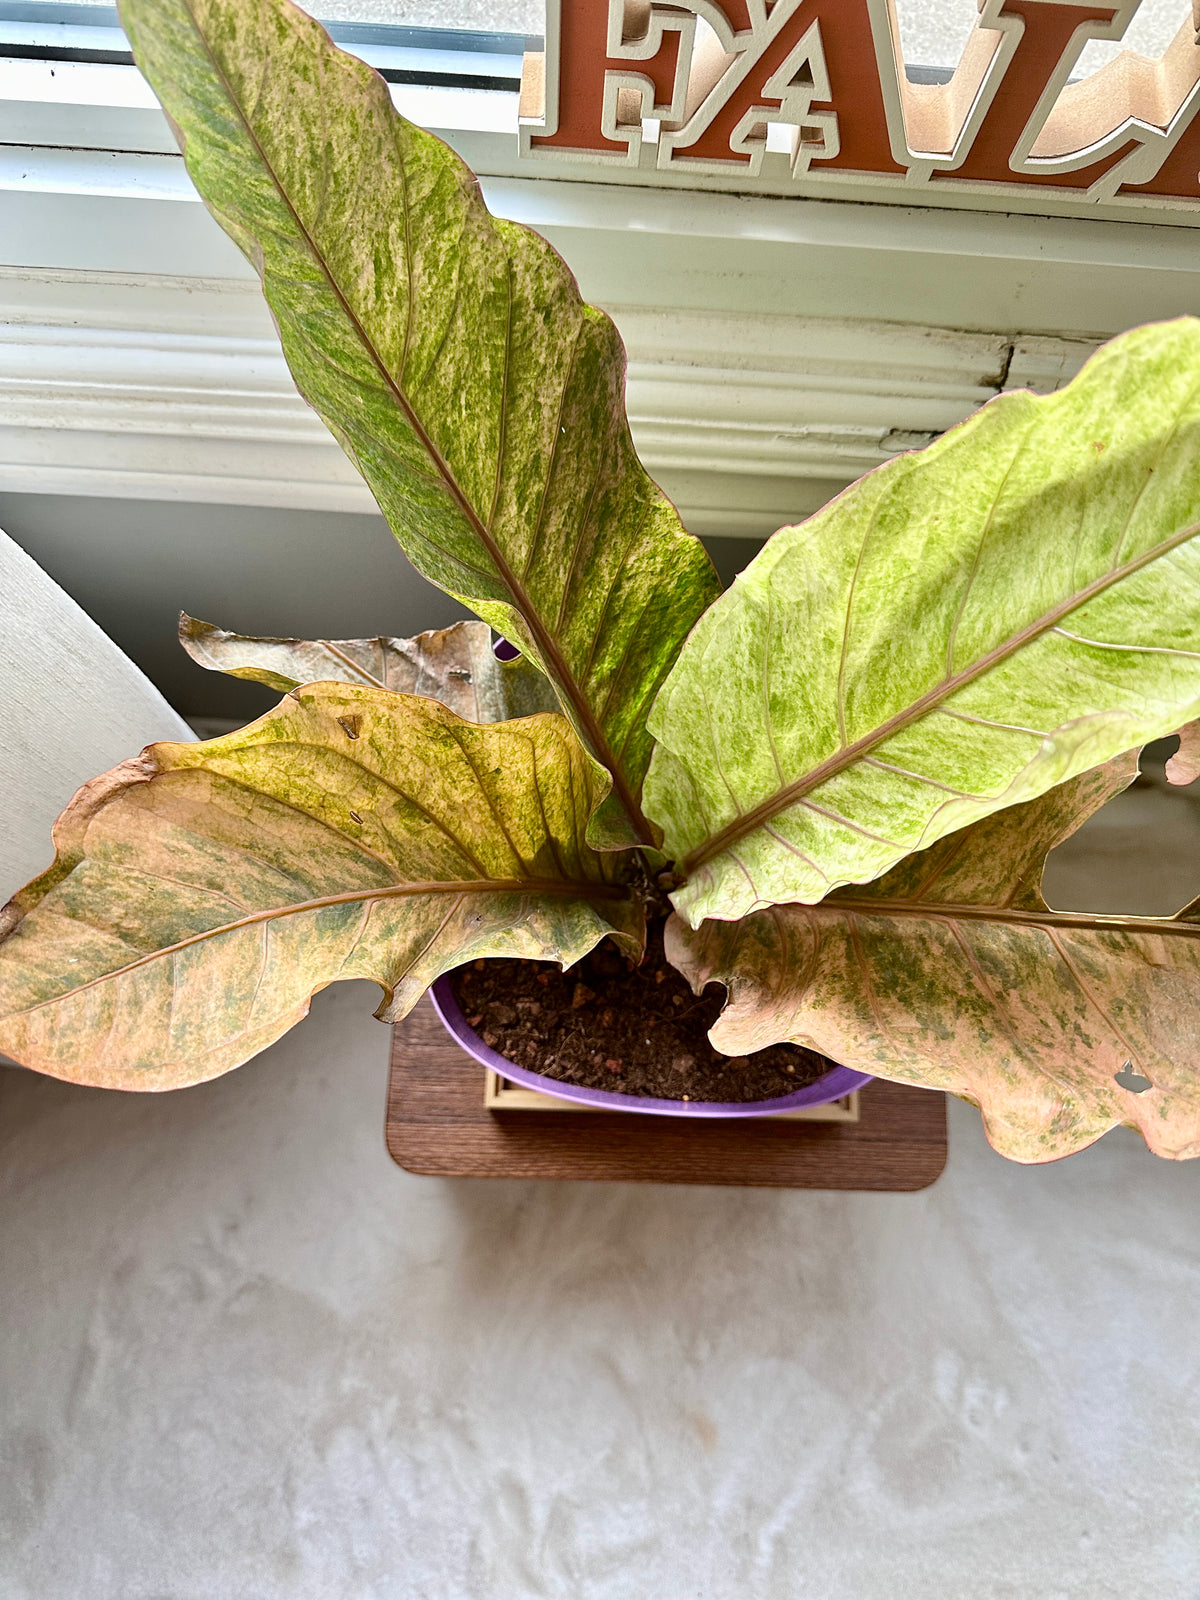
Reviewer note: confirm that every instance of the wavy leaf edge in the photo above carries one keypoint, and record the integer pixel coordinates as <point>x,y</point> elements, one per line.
<point>749,826</point>
<point>955,975</point>
<point>259,98</point>
<point>179,819</point>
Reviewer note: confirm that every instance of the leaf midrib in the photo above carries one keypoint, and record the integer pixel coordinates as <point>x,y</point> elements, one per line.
<point>551,886</point>
<point>953,911</point>
<point>547,644</point>
<point>792,793</point>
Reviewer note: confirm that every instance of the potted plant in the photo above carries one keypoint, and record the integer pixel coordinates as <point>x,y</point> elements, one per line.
<point>828,791</point>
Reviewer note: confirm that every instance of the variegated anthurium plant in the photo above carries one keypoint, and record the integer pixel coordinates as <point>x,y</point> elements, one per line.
<point>848,769</point>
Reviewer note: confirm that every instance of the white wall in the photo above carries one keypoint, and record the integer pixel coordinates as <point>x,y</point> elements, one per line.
<point>71,706</point>
<point>135,564</point>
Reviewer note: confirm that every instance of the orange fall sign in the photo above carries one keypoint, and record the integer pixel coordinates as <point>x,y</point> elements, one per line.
<point>829,74</point>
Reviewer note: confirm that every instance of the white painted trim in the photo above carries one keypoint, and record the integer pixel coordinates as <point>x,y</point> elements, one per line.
<point>175,389</point>
<point>778,348</point>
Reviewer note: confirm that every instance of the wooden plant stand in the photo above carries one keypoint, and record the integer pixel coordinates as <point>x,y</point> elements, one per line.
<point>439,1125</point>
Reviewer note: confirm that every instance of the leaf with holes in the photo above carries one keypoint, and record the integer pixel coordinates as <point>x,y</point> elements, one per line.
<point>202,893</point>
<point>952,972</point>
<point>456,665</point>
<point>960,631</point>
<point>450,354</point>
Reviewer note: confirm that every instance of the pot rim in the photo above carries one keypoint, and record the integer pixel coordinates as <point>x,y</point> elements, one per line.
<point>832,1085</point>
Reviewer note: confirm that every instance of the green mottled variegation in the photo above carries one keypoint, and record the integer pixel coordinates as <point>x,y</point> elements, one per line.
<point>952,972</point>
<point>202,893</point>
<point>921,690</point>
<point>958,632</point>
<point>450,354</point>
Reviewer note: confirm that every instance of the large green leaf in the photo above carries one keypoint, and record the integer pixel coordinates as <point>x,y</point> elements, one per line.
<point>449,352</point>
<point>203,892</point>
<point>960,631</point>
<point>456,665</point>
<point>952,972</point>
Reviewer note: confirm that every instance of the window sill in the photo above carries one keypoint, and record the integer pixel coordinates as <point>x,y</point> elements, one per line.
<point>778,347</point>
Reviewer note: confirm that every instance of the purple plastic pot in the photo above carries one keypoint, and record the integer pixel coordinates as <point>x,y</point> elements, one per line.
<point>836,1083</point>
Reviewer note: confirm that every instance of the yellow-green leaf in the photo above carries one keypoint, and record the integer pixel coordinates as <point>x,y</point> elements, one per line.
<point>202,893</point>
<point>456,665</point>
<point>960,631</point>
<point>953,973</point>
<point>449,353</point>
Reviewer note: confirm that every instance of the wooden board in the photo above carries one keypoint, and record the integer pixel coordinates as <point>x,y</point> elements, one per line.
<point>437,1124</point>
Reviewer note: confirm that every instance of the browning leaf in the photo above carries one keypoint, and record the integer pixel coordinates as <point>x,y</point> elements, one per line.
<point>951,972</point>
<point>455,665</point>
<point>1184,766</point>
<point>202,893</point>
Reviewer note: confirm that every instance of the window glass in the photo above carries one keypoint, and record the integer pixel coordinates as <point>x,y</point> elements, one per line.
<point>470,44</point>
<point>478,16</point>
<point>933,32</point>
<point>1149,34</point>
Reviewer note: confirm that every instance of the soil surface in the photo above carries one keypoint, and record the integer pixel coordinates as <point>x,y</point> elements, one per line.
<point>606,1024</point>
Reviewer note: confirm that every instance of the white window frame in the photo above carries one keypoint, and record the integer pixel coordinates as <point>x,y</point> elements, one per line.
<point>778,347</point>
